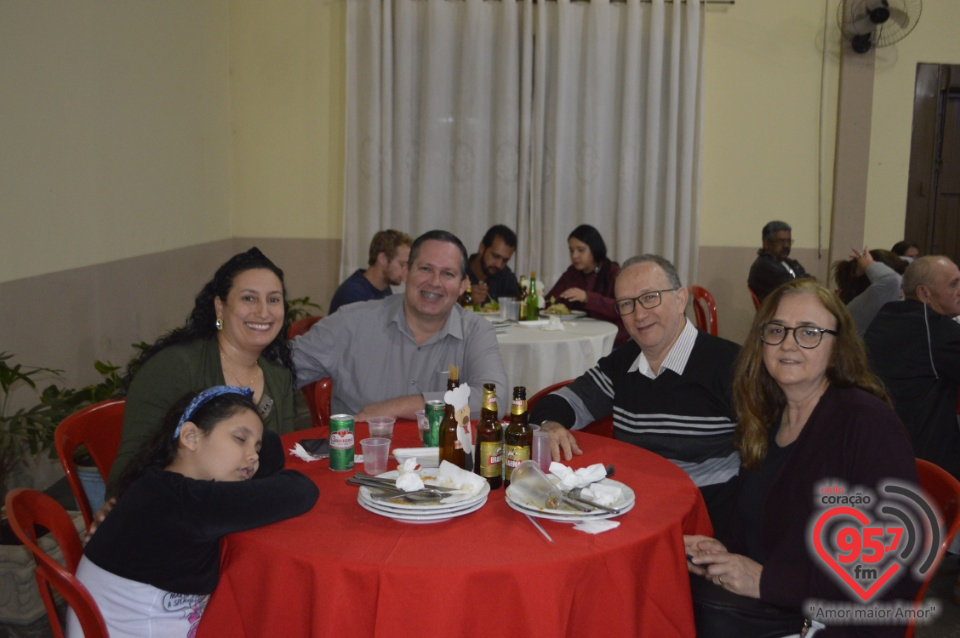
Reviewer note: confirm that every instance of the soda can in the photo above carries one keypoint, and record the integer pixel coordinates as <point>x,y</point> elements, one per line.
<point>341,442</point>
<point>434,410</point>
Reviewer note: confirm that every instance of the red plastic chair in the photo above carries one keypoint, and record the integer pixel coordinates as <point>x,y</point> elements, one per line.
<point>321,401</point>
<point>300,326</point>
<point>30,509</point>
<point>600,427</point>
<point>319,412</point>
<point>756,300</point>
<point>703,304</point>
<point>98,428</point>
<point>944,489</point>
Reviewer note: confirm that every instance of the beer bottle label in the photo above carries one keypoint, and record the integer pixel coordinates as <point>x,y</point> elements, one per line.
<point>513,456</point>
<point>491,458</point>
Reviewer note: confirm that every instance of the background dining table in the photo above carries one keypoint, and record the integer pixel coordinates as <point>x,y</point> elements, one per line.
<point>340,570</point>
<point>536,358</point>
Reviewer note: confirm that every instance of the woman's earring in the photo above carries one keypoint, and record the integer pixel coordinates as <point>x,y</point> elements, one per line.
<point>219,323</point>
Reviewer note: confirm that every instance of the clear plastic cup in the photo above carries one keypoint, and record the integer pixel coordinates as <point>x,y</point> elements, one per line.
<point>381,427</point>
<point>530,483</point>
<point>375,452</point>
<point>540,449</point>
<point>423,425</point>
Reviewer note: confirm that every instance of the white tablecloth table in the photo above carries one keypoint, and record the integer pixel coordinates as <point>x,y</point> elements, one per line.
<point>536,358</point>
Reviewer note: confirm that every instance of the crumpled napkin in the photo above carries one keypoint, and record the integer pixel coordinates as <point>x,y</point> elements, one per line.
<point>584,476</point>
<point>449,475</point>
<point>555,324</point>
<point>601,494</point>
<point>409,478</point>
<point>299,452</point>
<point>596,527</point>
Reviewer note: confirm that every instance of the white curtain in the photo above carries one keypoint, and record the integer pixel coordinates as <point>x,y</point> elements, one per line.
<point>459,118</point>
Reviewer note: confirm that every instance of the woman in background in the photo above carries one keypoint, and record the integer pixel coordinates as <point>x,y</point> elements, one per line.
<point>867,281</point>
<point>588,283</point>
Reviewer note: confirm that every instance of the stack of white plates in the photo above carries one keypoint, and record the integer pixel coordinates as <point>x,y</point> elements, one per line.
<point>518,500</point>
<point>457,504</point>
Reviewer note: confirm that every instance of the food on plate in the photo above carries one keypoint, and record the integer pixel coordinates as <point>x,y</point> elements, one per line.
<point>557,309</point>
<point>491,306</point>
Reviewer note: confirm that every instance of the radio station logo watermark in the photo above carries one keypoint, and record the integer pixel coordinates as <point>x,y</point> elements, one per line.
<point>868,542</point>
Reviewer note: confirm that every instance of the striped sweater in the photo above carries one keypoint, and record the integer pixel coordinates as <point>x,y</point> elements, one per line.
<point>686,417</point>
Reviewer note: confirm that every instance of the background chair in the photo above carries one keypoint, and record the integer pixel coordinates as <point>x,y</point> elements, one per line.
<point>601,427</point>
<point>98,428</point>
<point>319,414</point>
<point>29,509</point>
<point>756,300</point>
<point>705,308</point>
<point>944,489</point>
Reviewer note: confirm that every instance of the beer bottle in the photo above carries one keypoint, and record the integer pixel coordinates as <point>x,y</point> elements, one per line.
<point>518,439</point>
<point>489,450</point>
<point>522,297</point>
<point>450,447</point>
<point>533,299</point>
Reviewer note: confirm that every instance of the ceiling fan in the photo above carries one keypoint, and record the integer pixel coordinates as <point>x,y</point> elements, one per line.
<point>880,23</point>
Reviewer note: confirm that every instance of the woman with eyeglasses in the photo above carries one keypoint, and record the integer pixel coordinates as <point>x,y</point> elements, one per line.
<point>588,283</point>
<point>812,419</point>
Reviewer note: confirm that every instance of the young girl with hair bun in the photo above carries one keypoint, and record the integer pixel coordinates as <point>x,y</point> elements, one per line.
<point>155,559</point>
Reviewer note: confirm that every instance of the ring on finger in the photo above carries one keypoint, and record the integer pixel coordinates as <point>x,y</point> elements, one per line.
<point>720,580</point>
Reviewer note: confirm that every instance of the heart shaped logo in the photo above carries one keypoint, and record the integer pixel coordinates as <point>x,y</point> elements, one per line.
<point>833,563</point>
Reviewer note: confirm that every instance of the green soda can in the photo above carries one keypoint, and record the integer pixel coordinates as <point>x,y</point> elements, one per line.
<point>434,410</point>
<point>341,442</point>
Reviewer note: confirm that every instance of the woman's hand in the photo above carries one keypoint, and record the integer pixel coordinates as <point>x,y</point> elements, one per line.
<point>733,572</point>
<point>696,545</point>
<point>578,295</point>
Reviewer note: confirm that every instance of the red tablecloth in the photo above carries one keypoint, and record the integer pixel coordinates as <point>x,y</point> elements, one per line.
<point>340,570</point>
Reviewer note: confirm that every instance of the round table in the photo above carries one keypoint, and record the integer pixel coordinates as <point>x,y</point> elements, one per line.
<point>536,358</point>
<point>340,570</point>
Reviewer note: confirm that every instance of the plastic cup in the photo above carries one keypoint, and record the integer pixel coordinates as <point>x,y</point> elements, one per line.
<point>423,425</point>
<point>513,310</point>
<point>504,307</point>
<point>540,450</point>
<point>381,427</point>
<point>375,451</point>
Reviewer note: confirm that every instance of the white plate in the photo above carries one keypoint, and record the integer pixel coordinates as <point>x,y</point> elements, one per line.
<point>490,315</point>
<point>536,323</point>
<point>568,517</point>
<point>429,476</point>
<point>574,314</point>
<point>426,456</point>
<point>389,508</point>
<point>437,517</point>
<point>626,500</point>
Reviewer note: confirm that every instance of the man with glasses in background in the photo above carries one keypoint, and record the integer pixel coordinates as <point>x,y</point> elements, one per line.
<point>668,388</point>
<point>773,265</point>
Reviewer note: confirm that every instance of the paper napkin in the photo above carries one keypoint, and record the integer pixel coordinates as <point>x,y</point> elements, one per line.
<point>555,324</point>
<point>601,494</point>
<point>298,451</point>
<point>596,527</point>
<point>449,475</point>
<point>584,476</point>
<point>409,479</point>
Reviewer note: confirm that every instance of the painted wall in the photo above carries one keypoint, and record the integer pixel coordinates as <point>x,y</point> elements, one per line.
<point>114,130</point>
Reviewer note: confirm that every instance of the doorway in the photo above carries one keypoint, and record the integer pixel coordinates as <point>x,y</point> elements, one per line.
<point>933,196</point>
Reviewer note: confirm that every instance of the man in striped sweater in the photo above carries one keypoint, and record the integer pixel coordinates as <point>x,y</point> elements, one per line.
<point>668,388</point>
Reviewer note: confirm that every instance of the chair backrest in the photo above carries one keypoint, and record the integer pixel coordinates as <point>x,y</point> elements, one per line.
<point>29,509</point>
<point>944,489</point>
<point>705,309</point>
<point>602,426</point>
<point>322,393</point>
<point>98,428</point>
<point>300,326</point>
<point>756,300</point>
